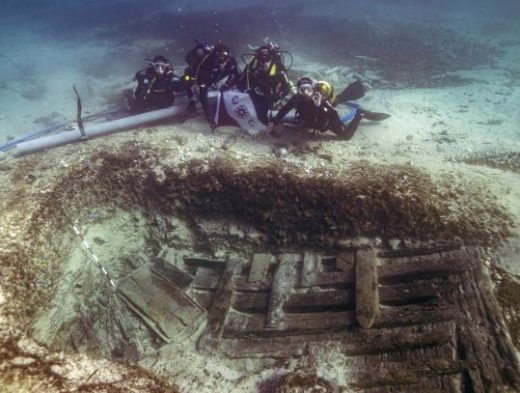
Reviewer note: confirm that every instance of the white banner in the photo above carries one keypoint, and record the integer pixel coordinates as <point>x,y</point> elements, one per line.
<point>241,109</point>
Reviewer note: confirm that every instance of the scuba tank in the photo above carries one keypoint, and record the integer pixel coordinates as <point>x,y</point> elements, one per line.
<point>197,54</point>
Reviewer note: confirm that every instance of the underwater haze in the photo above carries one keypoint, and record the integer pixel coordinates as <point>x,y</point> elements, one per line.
<point>47,46</point>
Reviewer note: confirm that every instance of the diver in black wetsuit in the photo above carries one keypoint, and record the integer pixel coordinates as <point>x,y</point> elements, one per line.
<point>315,108</point>
<point>208,66</point>
<point>155,86</point>
<point>265,79</point>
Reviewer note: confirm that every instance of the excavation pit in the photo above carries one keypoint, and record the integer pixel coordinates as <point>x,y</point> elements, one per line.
<point>229,272</point>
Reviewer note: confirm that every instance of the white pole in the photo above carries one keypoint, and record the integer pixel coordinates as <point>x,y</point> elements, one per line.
<point>94,130</point>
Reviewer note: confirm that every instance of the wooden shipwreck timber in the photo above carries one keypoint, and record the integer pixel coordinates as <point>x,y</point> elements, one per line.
<point>412,320</point>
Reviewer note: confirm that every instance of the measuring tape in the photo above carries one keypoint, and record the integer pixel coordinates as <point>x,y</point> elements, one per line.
<point>95,259</point>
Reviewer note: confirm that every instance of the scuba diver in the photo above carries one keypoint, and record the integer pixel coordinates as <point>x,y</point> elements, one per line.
<point>155,86</point>
<point>207,66</point>
<point>315,103</point>
<point>265,79</point>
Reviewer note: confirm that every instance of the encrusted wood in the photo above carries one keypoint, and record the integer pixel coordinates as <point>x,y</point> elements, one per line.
<point>411,320</point>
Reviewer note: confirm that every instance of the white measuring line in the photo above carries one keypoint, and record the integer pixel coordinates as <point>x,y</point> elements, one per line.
<point>95,259</point>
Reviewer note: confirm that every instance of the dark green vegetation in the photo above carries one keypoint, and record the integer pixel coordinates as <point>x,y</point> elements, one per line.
<point>505,161</point>
<point>292,206</point>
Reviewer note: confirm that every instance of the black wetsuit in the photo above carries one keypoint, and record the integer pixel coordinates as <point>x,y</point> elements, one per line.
<point>321,117</point>
<point>207,74</point>
<point>154,91</point>
<point>265,85</point>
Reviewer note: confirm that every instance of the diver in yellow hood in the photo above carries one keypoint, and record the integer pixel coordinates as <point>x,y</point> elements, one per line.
<point>315,104</point>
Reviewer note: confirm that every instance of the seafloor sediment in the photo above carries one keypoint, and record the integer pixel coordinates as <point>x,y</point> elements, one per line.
<point>166,204</point>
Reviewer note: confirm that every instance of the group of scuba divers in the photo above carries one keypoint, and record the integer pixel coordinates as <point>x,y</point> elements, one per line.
<point>264,78</point>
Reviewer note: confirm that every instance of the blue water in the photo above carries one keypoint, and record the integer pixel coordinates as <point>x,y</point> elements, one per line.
<point>46,46</point>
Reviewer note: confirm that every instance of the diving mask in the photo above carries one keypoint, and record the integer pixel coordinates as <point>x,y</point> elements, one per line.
<point>160,67</point>
<point>306,90</point>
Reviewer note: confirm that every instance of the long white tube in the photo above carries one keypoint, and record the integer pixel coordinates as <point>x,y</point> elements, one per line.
<point>94,130</point>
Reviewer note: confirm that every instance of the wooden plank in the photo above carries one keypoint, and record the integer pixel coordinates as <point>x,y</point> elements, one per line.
<point>201,262</point>
<point>251,302</point>
<point>171,273</point>
<point>220,306</point>
<point>420,269</point>
<point>367,293</point>
<point>284,280</point>
<point>260,266</point>
<point>411,356</point>
<point>386,342</point>
<point>166,305</point>
<point>416,251</point>
<point>425,374</point>
<point>417,291</point>
<point>414,315</point>
<point>241,284</point>
<point>323,300</point>
<point>253,325</point>
<point>317,322</point>
<point>504,351</point>
<point>270,347</point>
<point>480,340</point>
<point>309,269</point>
<point>346,261</point>
<point>329,279</point>
<point>363,335</point>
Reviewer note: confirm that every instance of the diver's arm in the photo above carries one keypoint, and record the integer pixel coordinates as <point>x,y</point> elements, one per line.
<point>291,104</point>
<point>233,75</point>
<point>285,85</point>
<point>141,75</point>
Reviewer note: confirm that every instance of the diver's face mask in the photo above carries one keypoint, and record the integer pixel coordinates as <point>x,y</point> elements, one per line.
<point>306,90</point>
<point>263,56</point>
<point>160,67</point>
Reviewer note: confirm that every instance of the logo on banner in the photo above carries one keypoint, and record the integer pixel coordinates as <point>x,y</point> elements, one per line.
<point>240,109</point>
<point>241,112</point>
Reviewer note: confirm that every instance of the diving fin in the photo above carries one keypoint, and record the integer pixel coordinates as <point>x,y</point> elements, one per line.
<point>373,116</point>
<point>354,91</point>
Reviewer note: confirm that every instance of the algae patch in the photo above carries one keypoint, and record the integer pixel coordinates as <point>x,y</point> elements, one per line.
<point>509,161</point>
